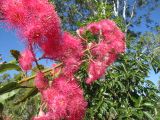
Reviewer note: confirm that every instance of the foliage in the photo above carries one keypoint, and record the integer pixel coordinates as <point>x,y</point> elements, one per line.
<point>125,93</point>
<point>158,109</point>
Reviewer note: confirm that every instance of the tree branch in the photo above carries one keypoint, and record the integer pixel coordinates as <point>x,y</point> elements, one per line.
<point>44,71</point>
<point>131,17</point>
<point>124,10</point>
<point>116,7</point>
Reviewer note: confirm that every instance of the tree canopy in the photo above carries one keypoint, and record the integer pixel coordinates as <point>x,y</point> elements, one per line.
<point>123,92</point>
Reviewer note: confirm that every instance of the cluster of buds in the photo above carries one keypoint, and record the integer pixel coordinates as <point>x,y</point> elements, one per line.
<point>38,24</point>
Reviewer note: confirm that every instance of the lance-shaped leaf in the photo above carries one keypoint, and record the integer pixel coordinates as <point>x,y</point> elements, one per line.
<point>150,105</point>
<point>1,108</point>
<point>9,66</point>
<point>148,115</point>
<point>9,87</point>
<point>29,93</point>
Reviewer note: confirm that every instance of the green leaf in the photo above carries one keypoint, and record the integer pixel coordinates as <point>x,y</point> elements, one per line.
<point>9,87</point>
<point>1,108</point>
<point>8,96</point>
<point>9,66</point>
<point>30,93</point>
<point>113,112</point>
<point>140,99</point>
<point>120,84</point>
<point>133,99</point>
<point>148,115</point>
<point>148,105</point>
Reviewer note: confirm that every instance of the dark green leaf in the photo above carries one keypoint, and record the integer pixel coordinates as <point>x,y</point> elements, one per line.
<point>9,87</point>
<point>1,108</point>
<point>30,93</point>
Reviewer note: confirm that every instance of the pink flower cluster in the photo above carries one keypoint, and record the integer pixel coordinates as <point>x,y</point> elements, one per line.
<point>26,58</point>
<point>36,21</point>
<point>39,25</point>
<point>63,97</point>
<point>104,52</point>
<point>40,81</point>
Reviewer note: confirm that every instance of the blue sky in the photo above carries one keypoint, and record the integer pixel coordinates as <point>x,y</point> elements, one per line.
<point>9,40</point>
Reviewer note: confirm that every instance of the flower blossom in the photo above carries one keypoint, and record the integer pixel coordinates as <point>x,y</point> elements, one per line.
<point>95,71</point>
<point>65,99</point>
<point>25,60</point>
<point>40,81</point>
<point>38,23</point>
<point>110,44</point>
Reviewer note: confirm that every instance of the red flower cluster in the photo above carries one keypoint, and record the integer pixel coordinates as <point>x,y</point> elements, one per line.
<point>38,24</point>
<point>36,21</point>
<point>111,43</point>
<point>26,60</point>
<point>64,99</point>
<point>40,81</point>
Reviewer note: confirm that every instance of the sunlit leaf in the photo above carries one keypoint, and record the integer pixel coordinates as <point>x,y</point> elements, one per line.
<point>9,87</point>
<point>148,115</point>
<point>9,66</point>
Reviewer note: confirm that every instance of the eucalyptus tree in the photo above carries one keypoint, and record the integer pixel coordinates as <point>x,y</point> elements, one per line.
<point>124,92</point>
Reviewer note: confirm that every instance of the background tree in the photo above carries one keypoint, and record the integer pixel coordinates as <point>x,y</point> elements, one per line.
<point>125,93</point>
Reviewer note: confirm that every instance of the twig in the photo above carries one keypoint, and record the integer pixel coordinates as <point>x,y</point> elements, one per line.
<point>31,48</point>
<point>44,71</point>
<point>78,33</point>
<point>131,17</point>
<point>124,10</point>
<point>116,7</point>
